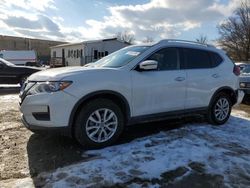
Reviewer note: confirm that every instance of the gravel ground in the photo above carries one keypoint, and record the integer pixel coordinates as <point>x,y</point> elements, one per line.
<point>25,155</point>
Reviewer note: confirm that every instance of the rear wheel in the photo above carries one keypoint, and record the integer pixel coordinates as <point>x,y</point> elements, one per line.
<point>99,123</point>
<point>220,109</point>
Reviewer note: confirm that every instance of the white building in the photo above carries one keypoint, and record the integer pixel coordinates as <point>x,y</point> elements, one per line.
<point>76,54</point>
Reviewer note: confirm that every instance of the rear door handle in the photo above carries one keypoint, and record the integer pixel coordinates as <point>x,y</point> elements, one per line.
<point>179,79</point>
<point>215,76</point>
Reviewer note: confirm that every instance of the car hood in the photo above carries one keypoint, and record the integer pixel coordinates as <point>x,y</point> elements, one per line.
<point>56,74</point>
<point>244,78</point>
<point>27,67</point>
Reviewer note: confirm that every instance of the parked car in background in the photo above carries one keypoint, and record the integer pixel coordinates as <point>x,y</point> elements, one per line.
<point>244,81</point>
<point>12,74</point>
<point>139,83</point>
<point>242,64</point>
<point>20,57</point>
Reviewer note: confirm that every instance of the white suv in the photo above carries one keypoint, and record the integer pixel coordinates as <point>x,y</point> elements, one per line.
<point>139,83</point>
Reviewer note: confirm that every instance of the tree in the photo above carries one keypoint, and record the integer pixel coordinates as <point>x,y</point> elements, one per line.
<point>148,39</point>
<point>235,33</point>
<point>126,37</point>
<point>202,39</point>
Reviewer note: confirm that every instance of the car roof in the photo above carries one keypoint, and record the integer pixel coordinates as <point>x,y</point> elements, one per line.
<point>184,44</point>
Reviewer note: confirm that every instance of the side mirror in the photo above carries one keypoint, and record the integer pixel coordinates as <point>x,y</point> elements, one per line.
<point>148,65</point>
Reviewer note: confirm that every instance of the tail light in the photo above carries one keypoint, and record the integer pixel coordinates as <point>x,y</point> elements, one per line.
<point>236,70</point>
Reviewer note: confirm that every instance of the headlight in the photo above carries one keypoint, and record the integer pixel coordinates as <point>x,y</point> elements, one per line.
<point>48,87</point>
<point>243,85</point>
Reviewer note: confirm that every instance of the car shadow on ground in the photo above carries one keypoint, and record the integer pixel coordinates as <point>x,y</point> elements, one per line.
<point>48,152</point>
<point>9,89</point>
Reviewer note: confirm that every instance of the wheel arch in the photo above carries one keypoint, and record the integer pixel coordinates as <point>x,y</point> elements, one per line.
<point>106,94</point>
<point>227,90</point>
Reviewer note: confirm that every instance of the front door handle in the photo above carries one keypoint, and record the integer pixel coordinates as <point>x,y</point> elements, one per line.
<point>215,76</point>
<point>179,79</point>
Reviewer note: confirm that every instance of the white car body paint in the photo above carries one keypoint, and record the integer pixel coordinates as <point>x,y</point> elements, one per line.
<point>148,92</point>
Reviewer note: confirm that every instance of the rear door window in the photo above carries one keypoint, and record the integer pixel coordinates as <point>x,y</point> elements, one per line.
<point>197,59</point>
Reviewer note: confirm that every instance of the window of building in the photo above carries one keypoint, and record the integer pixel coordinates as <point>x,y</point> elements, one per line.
<point>95,54</point>
<point>77,54</point>
<point>81,53</point>
<point>54,54</point>
<point>74,53</point>
<point>106,53</point>
<point>68,53</point>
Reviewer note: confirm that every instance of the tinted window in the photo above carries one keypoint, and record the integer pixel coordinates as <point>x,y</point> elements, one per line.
<point>197,59</point>
<point>216,59</point>
<point>167,58</point>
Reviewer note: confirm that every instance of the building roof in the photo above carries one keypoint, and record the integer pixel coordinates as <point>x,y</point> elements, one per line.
<point>87,42</point>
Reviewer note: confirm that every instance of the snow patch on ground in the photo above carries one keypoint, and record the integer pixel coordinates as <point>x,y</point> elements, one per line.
<point>223,150</point>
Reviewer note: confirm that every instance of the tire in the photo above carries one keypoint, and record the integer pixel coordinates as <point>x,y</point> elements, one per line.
<point>103,119</point>
<point>217,116</point>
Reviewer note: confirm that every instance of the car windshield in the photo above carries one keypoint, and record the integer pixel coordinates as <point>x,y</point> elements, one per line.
<point>246,70</point>
<point>6,62</point>
<point>121,57</point>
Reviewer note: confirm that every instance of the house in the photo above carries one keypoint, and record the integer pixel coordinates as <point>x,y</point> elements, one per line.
<point>79,54</point>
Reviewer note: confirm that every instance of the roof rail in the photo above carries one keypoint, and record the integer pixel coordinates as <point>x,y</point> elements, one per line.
<point>187,41</point>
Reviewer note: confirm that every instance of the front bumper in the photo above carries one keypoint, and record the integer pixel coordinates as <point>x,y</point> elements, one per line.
<point>240,96</point>
<point>246,91</point>
<point>65,131</point>
<point>48,111</point>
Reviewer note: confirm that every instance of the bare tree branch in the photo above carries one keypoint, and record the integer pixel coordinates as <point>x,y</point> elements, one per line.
<point>126,37</point>
<point>148,39</point>
<point>202,39</point>
<point>235,33</point>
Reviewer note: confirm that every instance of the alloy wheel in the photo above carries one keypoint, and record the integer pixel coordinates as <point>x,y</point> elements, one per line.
<point>221,109</point>
<point>101,125</point>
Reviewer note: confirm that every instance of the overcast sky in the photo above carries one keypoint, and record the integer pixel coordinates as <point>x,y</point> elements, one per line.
<point>78,20</point>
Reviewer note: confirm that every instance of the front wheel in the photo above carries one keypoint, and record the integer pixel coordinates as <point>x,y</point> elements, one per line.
<point>219,110</point>
<point>99,123</point>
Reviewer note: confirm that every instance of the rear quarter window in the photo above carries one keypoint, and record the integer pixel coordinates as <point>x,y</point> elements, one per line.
<point>216,59</point>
